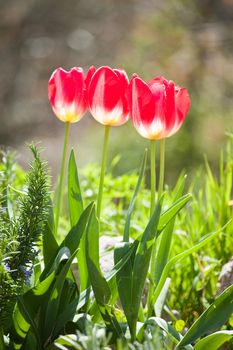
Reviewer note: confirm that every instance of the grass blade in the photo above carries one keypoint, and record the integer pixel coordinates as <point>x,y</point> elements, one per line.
<point>206,239</point>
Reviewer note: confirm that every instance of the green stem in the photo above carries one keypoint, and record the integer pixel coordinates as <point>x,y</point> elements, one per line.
<point>152,208</point>
<point>152,176</point>
<point>62,173</point>
<point>161,167</point>
<point>150,304</point>
<point>102,173</point>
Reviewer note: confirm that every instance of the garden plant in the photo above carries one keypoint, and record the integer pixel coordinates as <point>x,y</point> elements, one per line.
<point>160,288</point>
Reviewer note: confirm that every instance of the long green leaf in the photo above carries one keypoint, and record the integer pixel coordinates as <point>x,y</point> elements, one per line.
<point>54,300</point>
<point>132,203</point>
<point>67,315</point>
<point>67,306</point>
<point>50,244</point>
<point>211,319</point>
<point>171,212</point>
<point>214,341</point>
<point>71,241</point>
<point>179,187</point>
<point>140,268</point>
<point>165,238</point>
<point>206,239</point>
<point>99,284</point>
<point>88,294</point>
<point>124,277</point>
<point>26,309</point>
<point>74,192</point>
<point>25,314</point>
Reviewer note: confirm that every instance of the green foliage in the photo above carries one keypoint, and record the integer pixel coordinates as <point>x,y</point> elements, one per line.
<point>211,209</point>
<point>20,232</point>
<point>8,286</point>
<point>30,223</point>
<point>71,304</point>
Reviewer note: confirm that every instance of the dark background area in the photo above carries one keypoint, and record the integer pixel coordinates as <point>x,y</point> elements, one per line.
<point>188,41</point>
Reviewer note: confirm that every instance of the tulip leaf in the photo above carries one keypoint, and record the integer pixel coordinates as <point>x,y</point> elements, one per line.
<point>100,286</point>
<point>74,191</point>
<point>133,200</point>
<point>124,277</point>
<point>66,315</point>
<point>212,318</point>
<point>70,242</point>
<point>50,245</point>
<point>179,187</point>
<point>52,309</point>
<point>88,294</point>
<point>140,269</point>
<point>165,239</point>
<point>26,309</point>
<point>98,282</point>
<point>214,340</point>
<point>171,212</point>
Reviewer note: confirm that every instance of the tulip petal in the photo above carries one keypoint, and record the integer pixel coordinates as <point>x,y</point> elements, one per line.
<point>158,108</point>
<point>143,106</point>
<point>182,103</point>
<point>107,96</point>
<point>104,89</point>
<point>170,113</point>
<point>158,91</point>
<point>124,89</point>
<point>160,80</point>
<point>143,110</point>
<point>66,92</point>
<point>90,73</point>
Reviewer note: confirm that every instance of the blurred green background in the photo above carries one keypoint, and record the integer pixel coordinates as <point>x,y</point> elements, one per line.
<point>188,41</point>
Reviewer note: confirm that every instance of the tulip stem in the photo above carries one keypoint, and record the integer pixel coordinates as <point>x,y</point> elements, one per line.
<point>152,176</point>
<point>102,173</point>
<point>161,167</point>
<point>62,173</point>
<point>152,208</point>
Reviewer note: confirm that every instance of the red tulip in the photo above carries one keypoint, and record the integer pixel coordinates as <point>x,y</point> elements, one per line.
<point>67,93</point>
<point>108,96</point>
<point>158,108</point>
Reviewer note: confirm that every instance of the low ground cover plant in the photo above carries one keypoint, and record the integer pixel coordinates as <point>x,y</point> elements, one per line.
<point>158,288</point>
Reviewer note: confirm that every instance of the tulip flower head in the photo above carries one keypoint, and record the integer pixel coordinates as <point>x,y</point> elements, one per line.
<point>108,96</point>
<point>67,94</point>
<point>158,108</point>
